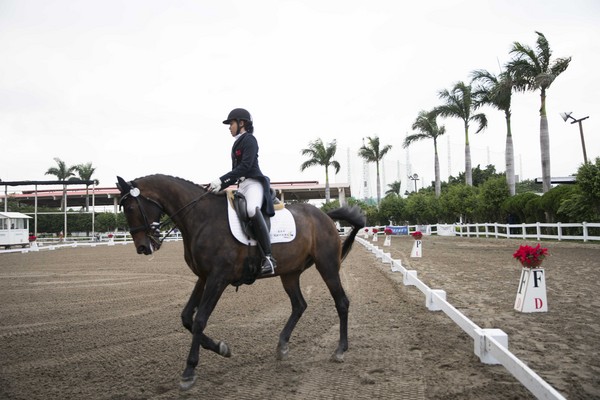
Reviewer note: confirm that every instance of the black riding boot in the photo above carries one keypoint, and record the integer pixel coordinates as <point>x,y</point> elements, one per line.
<point>261,233</point>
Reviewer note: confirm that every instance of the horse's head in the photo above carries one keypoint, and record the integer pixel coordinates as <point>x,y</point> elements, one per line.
<point>143,217</point>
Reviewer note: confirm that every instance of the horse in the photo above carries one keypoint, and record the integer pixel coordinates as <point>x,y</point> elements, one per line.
<point>218,259</point>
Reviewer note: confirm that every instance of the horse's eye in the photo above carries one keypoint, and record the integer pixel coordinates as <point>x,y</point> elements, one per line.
<point>128,209</point>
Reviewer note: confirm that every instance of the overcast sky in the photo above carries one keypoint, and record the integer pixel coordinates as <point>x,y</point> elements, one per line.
<point>141,87</point>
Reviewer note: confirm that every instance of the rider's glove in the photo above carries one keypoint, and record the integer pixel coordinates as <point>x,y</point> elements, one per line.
<point>215,186</point>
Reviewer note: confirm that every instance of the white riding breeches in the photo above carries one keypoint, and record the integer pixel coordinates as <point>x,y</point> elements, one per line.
<point>253,191</point>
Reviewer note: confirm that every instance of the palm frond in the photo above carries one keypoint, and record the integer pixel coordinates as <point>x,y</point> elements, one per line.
<point>481,120</point>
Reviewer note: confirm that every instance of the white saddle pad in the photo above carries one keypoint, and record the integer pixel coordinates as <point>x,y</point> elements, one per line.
<point>283,227</point>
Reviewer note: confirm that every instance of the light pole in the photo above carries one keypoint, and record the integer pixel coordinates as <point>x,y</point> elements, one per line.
<point>565,116</point>
<point>414,178</point>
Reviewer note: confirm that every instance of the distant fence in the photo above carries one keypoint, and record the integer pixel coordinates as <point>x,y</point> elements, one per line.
<point>490,345</point>
<point>584,231</point>
<point>54,243</point>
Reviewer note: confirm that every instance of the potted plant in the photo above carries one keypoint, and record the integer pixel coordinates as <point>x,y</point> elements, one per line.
<point>531,257</point>
<point>417,235</point>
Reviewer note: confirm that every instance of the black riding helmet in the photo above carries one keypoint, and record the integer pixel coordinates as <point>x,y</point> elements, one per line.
<point>240,114</point>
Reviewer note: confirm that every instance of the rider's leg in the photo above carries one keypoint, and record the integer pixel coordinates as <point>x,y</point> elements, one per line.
<point>261,232</point>
<point>253,192</point>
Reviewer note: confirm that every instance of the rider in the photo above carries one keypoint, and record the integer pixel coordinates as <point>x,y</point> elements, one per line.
<point>252,183</point>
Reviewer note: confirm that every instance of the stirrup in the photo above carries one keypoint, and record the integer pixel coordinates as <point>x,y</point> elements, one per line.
<point>268,265</point>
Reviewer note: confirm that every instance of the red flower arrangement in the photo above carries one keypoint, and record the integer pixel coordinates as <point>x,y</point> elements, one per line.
<point>417,235</point>
<point>375,230</point>
<point>110,235</point>
<point>388,231</point>
<point>32,238</point>
<point>531,257</point>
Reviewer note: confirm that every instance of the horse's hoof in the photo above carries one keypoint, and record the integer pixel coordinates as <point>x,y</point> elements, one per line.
<point>224,350</point>
<point>338,358</point>
<point>187,383</point>
<point>283,353</point>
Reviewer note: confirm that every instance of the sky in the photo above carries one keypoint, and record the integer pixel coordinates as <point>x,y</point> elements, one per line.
<point>140,87</point>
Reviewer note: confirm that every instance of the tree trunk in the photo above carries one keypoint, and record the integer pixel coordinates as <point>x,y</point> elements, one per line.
<point>468,172</point>
<point>438,183</point>
<point>87,198</point>
<point>378,185</point>
<point>545,145</point>
<point>509,157</point>
<point>63,201</point>
<point>327,192</point>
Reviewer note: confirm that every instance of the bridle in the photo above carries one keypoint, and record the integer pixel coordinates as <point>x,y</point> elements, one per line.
<point>152,229</point>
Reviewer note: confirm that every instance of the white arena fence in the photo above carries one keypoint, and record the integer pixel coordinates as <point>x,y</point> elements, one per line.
<point>584,231</point>
<point>46,244</point>
<point>490,345</point>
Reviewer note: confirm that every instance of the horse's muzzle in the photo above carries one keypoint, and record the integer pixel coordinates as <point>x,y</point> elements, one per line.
<point>148,248</point>
<point>143,249</point>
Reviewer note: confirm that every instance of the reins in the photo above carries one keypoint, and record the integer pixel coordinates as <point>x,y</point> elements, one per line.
<point>170,217</point>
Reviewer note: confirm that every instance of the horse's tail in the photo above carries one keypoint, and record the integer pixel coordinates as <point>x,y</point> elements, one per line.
<point>355,217</point>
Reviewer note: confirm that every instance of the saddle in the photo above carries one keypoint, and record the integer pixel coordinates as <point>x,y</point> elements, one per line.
<point>238,202</point>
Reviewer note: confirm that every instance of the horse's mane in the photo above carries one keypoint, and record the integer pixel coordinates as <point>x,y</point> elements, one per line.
<point>169,176</point>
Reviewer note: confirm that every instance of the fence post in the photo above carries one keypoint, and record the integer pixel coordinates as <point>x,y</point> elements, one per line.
<point>559,230</point>
<point>524,231</point>
<point>538,230</point>
<point>585,231</point>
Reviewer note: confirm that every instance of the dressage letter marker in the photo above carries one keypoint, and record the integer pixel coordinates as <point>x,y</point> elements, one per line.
<point>531,295</point>
<point>417,250</point>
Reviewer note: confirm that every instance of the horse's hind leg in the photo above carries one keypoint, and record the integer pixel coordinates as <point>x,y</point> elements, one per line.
<point>291,284</point>
<point>330,273</point>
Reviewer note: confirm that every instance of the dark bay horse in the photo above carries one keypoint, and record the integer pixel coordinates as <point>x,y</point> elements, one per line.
<point>217,258</point>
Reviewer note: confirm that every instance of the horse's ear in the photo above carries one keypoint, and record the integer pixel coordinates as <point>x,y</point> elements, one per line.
<point>123,186</point>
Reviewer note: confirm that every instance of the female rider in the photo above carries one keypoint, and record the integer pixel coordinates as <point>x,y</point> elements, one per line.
<point>252,183</point>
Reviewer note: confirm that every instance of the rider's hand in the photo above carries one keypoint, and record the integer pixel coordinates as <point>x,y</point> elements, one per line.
<point>214,186</point>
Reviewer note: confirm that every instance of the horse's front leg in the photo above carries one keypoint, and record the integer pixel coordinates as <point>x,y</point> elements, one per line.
<point>187,315</point>
<point>212,292</point>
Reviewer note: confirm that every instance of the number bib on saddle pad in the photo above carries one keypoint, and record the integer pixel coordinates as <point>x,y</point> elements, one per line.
<point>283,226</point>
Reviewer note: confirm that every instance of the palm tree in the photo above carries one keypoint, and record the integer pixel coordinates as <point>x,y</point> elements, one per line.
<point>538,71</point>
<point>62,173</point>
<point>394,189</point>
<point>496,91</point>
<point>372,152</point>
<point>321,155</point>
<point>459,104</point>
<point>85,172</point>
<point>426,124</point>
